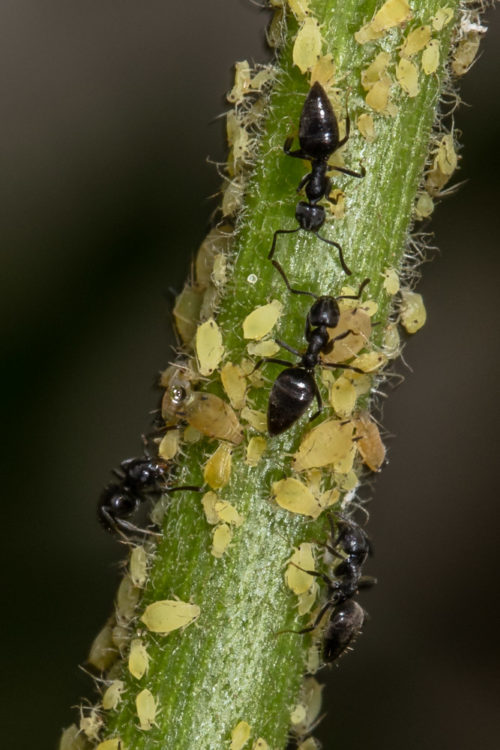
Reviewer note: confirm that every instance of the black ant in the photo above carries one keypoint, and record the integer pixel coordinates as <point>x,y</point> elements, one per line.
<point>346,616</point>
<point>140,480</point>
<point>319,139</point>
<point>295,387</point>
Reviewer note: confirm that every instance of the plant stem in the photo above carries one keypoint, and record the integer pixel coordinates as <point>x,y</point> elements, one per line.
<point>232,665</point>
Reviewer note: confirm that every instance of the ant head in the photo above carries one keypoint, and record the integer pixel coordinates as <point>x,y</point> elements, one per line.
<point>311,218</point>
<point>114,504</point>
<point>141,472</point>
<point>324,312</point>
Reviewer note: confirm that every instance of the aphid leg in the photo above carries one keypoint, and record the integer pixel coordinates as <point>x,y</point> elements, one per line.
<point>291,289</point>
<point>287,347</point>
<point>345,267</point>
<point>279,231</point>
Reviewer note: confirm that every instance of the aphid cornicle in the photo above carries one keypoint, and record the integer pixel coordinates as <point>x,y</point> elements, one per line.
<point>295,387</point>
<point>140,479</point>
<point>319,139</point>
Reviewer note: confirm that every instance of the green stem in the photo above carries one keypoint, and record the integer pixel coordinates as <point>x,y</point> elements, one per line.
<point>232,664</point>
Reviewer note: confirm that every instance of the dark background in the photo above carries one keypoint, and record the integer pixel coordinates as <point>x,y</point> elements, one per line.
<point>108,116</point>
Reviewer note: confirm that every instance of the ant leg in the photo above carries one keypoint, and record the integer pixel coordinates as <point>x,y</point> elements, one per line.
<point>297,154</point>
<point>304,181</point>
<point>316,573</point>
<point>366,582</point>
<point>317,395</point>
<point>186,488</point>
<point>125,528</point>
<point>342,366</point>
<point>347,131</point>
<point>291,289</point>
<point>273,360</point>
<point>350,172</point>
<point>341,255</point>
<point>288,348</point>
<point>358,295</point>
<point>279,231</point>
<point>328,605</point>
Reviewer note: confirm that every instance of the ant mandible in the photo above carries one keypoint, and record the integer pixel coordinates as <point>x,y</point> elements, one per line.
<point>295,388</point>
<point>319,139</point>
<point>140,479</point>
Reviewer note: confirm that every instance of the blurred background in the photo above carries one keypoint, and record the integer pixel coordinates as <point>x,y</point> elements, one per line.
<point>108,116</point>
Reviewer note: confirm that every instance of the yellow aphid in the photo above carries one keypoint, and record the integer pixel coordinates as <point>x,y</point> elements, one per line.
<point>167,615</point>
<point>294,496</point>
<point>370,445</point>
<point>262,320</point>
<point>138,659</point>
<point>330,497</point>
<point>311,697</point>
<point>242,75</point>
<point>208,501</point>
<point>126,599</point>
<point>276,29</point>
<point>138,566</point>
<point>232,198</point>
<point>91,724</point>
<point>240,735</point>
<point>213,417</point>
<point>343,396</point>
<point>260,744</point>
<point>336,203</point>
<point>446,156</point>
<point>370,361</point>
<point>113,744</point>
<point>407,76</point>
<point>298,714</point>
<point>217,242</point>
<point>72,739</point>
<point>255,449</point>
<point>325,444</point>
<point>378,96</point>
<point>209,347</point>
<point>191,435</point>
<point>234,383</point>
<point>347,482</point>
<point>442,18</point>
<point>344,466</point>
<point>221,539</point>
<point>307,46</point>
<point>217,470</point>
<point>102,651</point>
<point>228,513</point>
<point>257,419</point>
<point>370,307</point>
<point>169,445</point>
<point>391,342</point>
<point>355,320</point>
<point>146,709</point>
<point>219,272</point>
<point>362,383</point>
<point>424,206</point>
<point>392,13</point>
<point>313,660</point>
<point>121,637</point>
<point>263,77</point>
<point>307,599</point>
<point>310,744</point>
<point>391,281</point>
<point>297,580</point>
<point>375,71</point>
<point>323,71</point>
<point>267,348</point>
<point>416,41</point>
<point>299,8</point>
<point>430,57</point>
<point>187,312</point>
<point>113,695</point>
<point>366,127</point>
<point>413,313</point>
